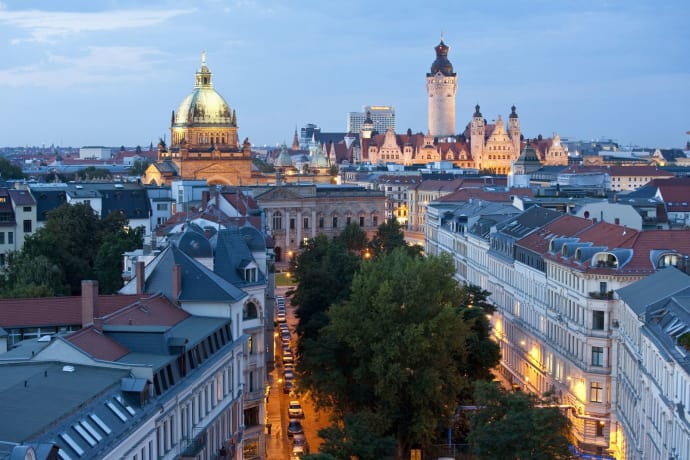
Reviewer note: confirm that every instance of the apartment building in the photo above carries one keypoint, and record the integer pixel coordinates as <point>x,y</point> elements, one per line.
<point>553,280</point>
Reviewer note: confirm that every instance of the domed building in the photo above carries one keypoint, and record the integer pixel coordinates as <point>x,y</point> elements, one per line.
<point>204,143</point>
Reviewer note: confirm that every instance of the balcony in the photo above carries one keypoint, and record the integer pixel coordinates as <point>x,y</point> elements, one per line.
<point>608,295</point>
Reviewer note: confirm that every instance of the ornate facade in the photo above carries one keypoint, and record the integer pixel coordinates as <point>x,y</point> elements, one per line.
<point>483,146</point>
<point>204,142</point>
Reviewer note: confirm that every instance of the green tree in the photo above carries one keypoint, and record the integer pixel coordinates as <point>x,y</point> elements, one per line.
<point>138,168</point>
<point>354,238</point>
<point>402,311</point>
<point>390,236</point>
<point>356,437</point>
<point>91,172</point>
<point>517,425</point>
<point>108,263</point>
<point>9,170</point>
<point>72,238</point>
<point>323,273</point>
<point>32,277</point>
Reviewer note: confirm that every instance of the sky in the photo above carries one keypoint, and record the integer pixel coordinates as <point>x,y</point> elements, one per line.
<point>110,72</point>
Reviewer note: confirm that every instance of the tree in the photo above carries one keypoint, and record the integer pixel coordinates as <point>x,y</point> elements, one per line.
<point>108,261</point>
<point>356,437</point>
<point>72,238</point>
<point>354,238</point>
<point>9,170</point>
<point>517,425</point>
<point>402,310</point>
<point>32,277</point>
<point>91,172</point>
<point>138,168</point>
<point>389,236</point>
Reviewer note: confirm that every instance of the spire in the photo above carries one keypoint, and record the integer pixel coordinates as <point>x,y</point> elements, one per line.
<point>295,141</point>
<point>477,113</point>
<point>203,75</point>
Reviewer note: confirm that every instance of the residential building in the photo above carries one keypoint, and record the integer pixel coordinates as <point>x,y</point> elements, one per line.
<point>147,381</point>
<point>651,395</point>
<point>553,281</point>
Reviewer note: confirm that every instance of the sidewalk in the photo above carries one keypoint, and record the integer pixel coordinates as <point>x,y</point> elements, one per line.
<point>277,445</point>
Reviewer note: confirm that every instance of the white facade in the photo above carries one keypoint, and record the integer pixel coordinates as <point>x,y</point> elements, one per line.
<point>95,153</point>
<point>441,91</point>
<point>383,117</point>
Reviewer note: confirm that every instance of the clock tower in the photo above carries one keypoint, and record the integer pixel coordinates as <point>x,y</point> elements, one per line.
<point>441,86</point>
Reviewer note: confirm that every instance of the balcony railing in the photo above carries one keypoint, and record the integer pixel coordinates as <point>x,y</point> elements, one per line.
<point>601,295</point>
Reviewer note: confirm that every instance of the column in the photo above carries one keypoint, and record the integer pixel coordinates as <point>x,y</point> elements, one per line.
<point>286,212</point>
<point>313,223</point>
<point>298,224</point>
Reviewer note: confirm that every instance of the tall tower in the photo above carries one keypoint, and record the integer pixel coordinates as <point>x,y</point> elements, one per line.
<point>477,137</point>
<point>441,86</point>
<point>514,130</point>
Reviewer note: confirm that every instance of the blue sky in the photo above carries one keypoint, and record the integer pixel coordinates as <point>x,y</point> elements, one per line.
<point>78,73</point>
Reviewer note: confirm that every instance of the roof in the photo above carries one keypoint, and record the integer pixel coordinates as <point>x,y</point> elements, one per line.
<point>654,288</point>
<point>22,197</point>
<point>534,218</point>
<point>564,226</point>
<point>198,282</point>
<point>232,253</point>
<point>55,311</point>
<point>37,394</point>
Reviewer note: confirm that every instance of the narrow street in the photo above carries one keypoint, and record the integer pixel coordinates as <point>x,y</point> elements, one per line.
<point>278,444</point>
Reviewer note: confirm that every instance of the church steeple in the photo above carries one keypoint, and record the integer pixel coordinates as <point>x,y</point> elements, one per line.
<point>295,141</point>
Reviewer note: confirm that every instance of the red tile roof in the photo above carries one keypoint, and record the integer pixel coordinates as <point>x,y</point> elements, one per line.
<point>55,311</point>
<point>564,226</point>
<point>93,342</point>
<point>152,311</point>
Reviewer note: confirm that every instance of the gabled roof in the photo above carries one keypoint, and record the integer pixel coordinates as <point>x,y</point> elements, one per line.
<point>232,254</point>
<point>95,343</point>
<point>198,282</point>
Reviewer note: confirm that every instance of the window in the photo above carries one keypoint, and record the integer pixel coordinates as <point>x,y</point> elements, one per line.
<point>305,223</point>
<point>27,226</point>
<point>375,221</point>
<point>161,206</point>
<point>596,392</point>
<point>2,237</point>
<point>602,287</point>
<point>277,220</point>
<point>361,221</point>
<point>292,223</point>
<point>321,222</point>
<point>335,221</point>
<point>348,220</point>
<point>598,320</point>
<point>10,237</point>
<point>27,208</point>
<point>600,428</point>
<point>598,356</point>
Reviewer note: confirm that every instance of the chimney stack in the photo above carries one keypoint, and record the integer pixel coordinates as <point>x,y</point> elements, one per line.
<point>176,282</point>
<point>139,274</point>
<point>89,294</point>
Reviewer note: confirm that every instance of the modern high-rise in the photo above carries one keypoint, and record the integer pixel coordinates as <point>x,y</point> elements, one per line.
<point>383,117</point>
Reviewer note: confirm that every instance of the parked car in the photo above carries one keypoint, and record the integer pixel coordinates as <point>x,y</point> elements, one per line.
<point>281,317</point>
<point>287,386</point>
<point>289,375</point>
<point>298,452</point>
<point>294,427</point>
<point>300,440</point>
<point>295,409</point>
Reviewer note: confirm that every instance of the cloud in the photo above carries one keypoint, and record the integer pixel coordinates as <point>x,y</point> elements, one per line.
<point>47,26</point>
<point>99,65</point>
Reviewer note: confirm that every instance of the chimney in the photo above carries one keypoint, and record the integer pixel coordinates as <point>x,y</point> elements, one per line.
<point>205,196</point>
<point>176,282</point>
<point>89,293</point>
<point>139,274</point>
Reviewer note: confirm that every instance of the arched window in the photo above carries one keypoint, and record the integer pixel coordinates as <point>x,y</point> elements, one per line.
<point>250,311</point>
<point>277,220</point>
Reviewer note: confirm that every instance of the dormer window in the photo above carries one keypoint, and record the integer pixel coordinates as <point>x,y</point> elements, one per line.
<point>667,260</point>
<point>250,275</point>
<point>605,260</point>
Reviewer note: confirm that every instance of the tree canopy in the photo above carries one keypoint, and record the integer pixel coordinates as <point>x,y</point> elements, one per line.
<point>74,245</point>
<point>9,170</point>
<point>372,358</point>
<point>517,425</point>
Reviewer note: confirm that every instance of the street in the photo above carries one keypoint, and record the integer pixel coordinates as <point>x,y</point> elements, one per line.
<point>278,444</point>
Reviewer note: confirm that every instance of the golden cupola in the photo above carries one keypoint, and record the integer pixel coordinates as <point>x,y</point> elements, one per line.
<point>204,118</point>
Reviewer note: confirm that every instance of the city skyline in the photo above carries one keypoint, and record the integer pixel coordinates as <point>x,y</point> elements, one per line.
<point>111,72</point>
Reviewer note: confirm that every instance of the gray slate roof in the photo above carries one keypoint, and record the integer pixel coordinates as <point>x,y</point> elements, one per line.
<point>654,288</point>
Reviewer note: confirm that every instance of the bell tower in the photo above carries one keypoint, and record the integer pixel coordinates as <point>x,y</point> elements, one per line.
<point>441,86</point>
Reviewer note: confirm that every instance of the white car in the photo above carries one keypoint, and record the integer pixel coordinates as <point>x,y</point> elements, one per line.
<point>295,409</point>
